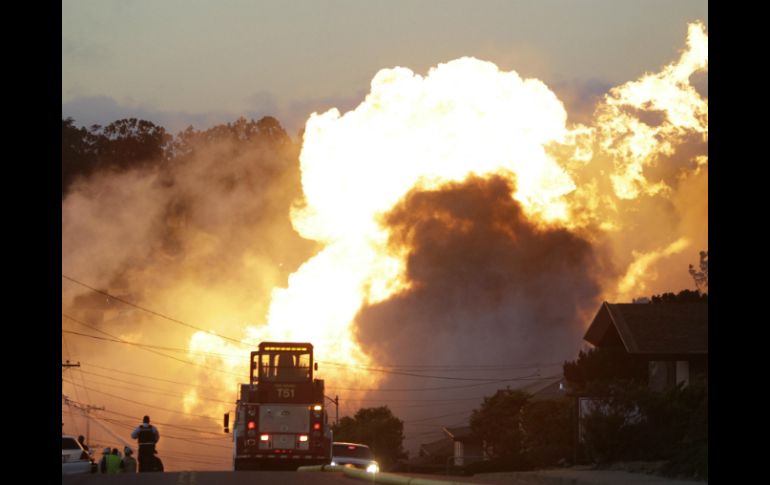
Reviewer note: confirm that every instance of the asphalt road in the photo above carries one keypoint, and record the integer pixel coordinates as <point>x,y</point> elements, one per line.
<point>213,478</point>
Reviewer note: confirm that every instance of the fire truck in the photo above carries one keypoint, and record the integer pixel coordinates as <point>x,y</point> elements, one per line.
<point>280,419</point>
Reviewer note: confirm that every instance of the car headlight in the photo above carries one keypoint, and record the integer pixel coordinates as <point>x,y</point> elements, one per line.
<point>372,468</point>
<point>334,463</point>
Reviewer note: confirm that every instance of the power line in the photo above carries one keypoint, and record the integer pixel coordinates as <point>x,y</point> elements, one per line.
<point>108,295</point>
<point>185,428</point>
<point>453,368</point>
<point>189,440</point>
<point>151,350</point>
<point>413,421</point>
<point>147,377</point>
<point>386,371</point>
<point>173,349</point>
<point>150,390</point>
<point>144,404</point>
<point>498,381</point>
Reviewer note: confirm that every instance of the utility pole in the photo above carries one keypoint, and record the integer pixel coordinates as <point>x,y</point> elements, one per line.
<point>336,402</point>
<point>86,411</point>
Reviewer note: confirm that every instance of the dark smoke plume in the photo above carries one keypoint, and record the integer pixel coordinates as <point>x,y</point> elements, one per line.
<point>488,285</point>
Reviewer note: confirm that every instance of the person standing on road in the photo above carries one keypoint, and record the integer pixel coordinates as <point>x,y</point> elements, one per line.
<point>129,463</point>
<point>82,441</point>
<point>146,436</point>
<point>103,461</point>
<point>113,462</point>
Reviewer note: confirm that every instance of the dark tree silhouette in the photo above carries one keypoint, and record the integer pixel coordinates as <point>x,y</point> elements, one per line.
<point>499,425</point>
<point>379,429</point>
<point>121,145</point>
<point>701,277</point>
<point>602,365</point>
<point>78,155</point>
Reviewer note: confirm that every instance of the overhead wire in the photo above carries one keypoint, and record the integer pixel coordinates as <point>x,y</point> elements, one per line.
<point>153,312</point>
<point>146,404</point>
<point>151,350</point>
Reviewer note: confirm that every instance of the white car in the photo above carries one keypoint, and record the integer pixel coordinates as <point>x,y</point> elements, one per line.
<point>354,455</point>
<point>75,459</point>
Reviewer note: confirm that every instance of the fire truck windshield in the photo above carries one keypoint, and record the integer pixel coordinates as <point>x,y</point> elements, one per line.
<point>284,366</point>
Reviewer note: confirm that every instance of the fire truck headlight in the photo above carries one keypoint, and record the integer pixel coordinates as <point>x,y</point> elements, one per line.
<point>373,468</point>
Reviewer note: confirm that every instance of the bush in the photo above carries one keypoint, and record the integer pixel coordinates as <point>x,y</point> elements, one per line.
<point>548,431</point>
<point>634,423</point>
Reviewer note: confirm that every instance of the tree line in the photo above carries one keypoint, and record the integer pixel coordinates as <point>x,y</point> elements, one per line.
<point>133,143</point>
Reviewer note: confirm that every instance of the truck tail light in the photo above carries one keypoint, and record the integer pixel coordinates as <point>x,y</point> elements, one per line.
<point>251,425</point>
<point>317,426</point>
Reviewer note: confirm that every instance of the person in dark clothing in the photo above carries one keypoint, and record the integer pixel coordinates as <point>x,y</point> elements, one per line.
<point>147,436</point>
<point>103,462</point>
<point>157,465</point>
<point>128,465</point>
<point>82,441</point>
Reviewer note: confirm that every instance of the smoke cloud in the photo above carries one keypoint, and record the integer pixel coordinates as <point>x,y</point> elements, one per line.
<point>487,285</point>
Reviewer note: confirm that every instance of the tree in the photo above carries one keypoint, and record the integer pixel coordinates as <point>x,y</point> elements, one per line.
<point>602,365</point>
<point>701,277</point>
<point>684,296</point>
<point>129,143</point>
<point>377,428</point>
<point>548,431</point>
<point>499,425</point>
<point>78,156</point>
<point>121,145</point>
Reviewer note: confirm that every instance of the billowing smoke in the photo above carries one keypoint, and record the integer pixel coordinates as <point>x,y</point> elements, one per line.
<point>487,285</point>
<point>203,239</point>
<point>452,219</point>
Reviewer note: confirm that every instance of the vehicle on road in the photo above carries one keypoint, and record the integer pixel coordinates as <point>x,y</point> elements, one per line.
<point>280,418</point>
<point>74,458</point>
<point>354,455</point>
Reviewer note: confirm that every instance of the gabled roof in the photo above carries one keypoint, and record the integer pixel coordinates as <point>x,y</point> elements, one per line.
<point>458,432</point>
<point>652,328</point>
<point>441,447</point>
<point>546,389</point>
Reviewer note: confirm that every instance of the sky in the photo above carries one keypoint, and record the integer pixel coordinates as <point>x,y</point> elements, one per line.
<point>470,241</point>
<point>178,62</point>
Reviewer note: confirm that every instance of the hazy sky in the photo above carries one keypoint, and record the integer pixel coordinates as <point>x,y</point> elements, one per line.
<point>200,62</point>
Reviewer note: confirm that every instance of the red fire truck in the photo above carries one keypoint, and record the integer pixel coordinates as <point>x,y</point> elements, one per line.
<point>280,419</point>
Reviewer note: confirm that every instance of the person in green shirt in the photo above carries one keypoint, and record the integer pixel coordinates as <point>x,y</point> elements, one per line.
<point>113,462</point>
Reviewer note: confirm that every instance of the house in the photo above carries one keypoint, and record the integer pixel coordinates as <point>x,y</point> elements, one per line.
<point>546,389</point>
<point>437,452</point>
<point>671,337</point>
<point>467,448</point>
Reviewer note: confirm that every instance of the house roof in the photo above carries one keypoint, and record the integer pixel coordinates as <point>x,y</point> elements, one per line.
<point>546,389</point>
<point>652,328</point>
<point>442,447</point>
<point>460,433</point>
